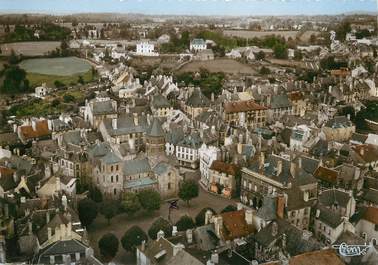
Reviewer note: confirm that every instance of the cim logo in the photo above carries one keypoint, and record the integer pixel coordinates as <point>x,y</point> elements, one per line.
<point>351,250</point>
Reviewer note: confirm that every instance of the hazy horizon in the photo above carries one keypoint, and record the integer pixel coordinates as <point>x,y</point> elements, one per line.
<point>191,7</point>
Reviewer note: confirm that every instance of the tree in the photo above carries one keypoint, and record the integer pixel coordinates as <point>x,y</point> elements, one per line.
<point>68,98</point>
<point>55,103</point>
<point>260,55</point>
<point>160,224</point>
<point>132,238</point>
<point>81,80</point>
<point>13,58</point>
<point>95,194</point>
<point>264,71</point>
<point>280,51</point>
<point>109,209</point>
<point>59,84</point>
<point>87,211</point>
<point>14,80</point>
<point>185,223</point>
<point>298,55</point>
<point>229,208</point>
<point>150,200</point>
<point>188,190</point>
<point>108,246</point>
<point>200,218</point>
<point>130,203</point>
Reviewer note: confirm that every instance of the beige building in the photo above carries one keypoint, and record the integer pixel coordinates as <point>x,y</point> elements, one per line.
<point>339,129</point>
<point>242,113</point>
<point>222,178</point>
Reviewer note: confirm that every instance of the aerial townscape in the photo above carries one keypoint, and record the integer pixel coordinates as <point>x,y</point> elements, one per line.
<point>132,137</point>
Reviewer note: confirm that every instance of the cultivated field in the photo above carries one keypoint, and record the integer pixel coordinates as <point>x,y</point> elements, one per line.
<point>31,48</point>
<point>228,66</point>
<point>56,66</point>
<point>259,34</point>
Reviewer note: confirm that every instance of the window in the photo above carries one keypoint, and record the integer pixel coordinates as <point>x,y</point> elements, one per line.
<point>115,191</point>
<point>169,185</point>
<point>117,178</point>
<point>111,168</point>
<point>117,167</point>
<point>111,179</point>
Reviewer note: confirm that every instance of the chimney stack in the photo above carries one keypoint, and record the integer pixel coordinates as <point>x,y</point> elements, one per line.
<point>115,124</point>
<point>279,167</point>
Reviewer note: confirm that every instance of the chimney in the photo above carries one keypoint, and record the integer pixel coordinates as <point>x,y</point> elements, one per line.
<point>213,130</point>
<point>215,257</point>
<point>281,202</point>
<point>57,184</point>
<point>317,213</point>
<point>115,124</point>
<point>262,160</point>
<point>362,151</point>
<point>240,148</point>
<point>49,233</point>
<point>34,125</point>
<point>249,216</point>
<point>274,229</point>
<point>330,89</point>
<point>208,216</point>
<point>348,116</point>
<point>300,162</point>
<point>218,225</point>
<point>177,248</point>
<point>279,167</point>
<point>189,236</point>
<point>47,216</point>
<point>293,168</point>
<point>160,234</point>
<point>136,119</point>
<point>174,230</point>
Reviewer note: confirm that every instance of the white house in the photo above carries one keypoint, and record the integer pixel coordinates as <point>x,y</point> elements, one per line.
<point>207,154</point>
<point>146,48</point>
<point>42,91</point>
<point>198,45</point>
<point>366,224</point>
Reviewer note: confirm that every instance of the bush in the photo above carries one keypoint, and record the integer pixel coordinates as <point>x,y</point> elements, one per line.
<point>108,246</point>
<point>188,190</point>
<point>150,200</point>
<point>200,218</point>
<point>68,98</point>
<point>132,238</point>
<point>160,224</point>
<point>229,208</point>
<point>87,211</point>
<point>185,223</point>
<point>59,84</point>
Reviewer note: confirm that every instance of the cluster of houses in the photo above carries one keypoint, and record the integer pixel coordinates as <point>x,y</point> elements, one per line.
<point>305,179</point>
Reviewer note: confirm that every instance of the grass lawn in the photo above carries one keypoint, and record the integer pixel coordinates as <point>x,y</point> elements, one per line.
<point>39,79</point>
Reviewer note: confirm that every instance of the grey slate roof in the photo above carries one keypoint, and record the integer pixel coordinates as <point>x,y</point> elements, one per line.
<point>159,101</point>
<point>126,125</point>
<point>339,122</point>
<point>280,101</point>
<point>110,158</point>
<point>198,100</point>
<point>174,136</point>
<point>137,166</point>
<point>156,130</point>
<point>98,150</point>
<point>192,141</point>
<point>103,107</point>
<point>268,209</point>
<point>161,168</point>
<point>295,244</point>
<point>331,197</point>
<point>329,217</point>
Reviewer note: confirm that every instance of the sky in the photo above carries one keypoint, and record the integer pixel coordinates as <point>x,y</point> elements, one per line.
<point>192,7</point>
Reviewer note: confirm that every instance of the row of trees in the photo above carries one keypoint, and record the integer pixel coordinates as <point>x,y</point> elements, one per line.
<point>134,236</point>
<point>131,203</point>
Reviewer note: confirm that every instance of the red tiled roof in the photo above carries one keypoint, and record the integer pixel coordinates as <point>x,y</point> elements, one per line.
<point>234,225</point>
<point>295,96</point>
<point>242,106</point>
<point>368,152</point>
<point>326,174</point>
<point>4,171</point>
<point>42,129</point>
<point>223,167</point>
<point>371,215</point>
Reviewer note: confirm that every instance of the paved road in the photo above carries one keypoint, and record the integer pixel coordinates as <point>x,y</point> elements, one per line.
<point>121,223</point>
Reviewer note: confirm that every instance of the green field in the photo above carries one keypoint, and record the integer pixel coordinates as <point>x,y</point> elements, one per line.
<point>38,79</point>
<point>48,70</point>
